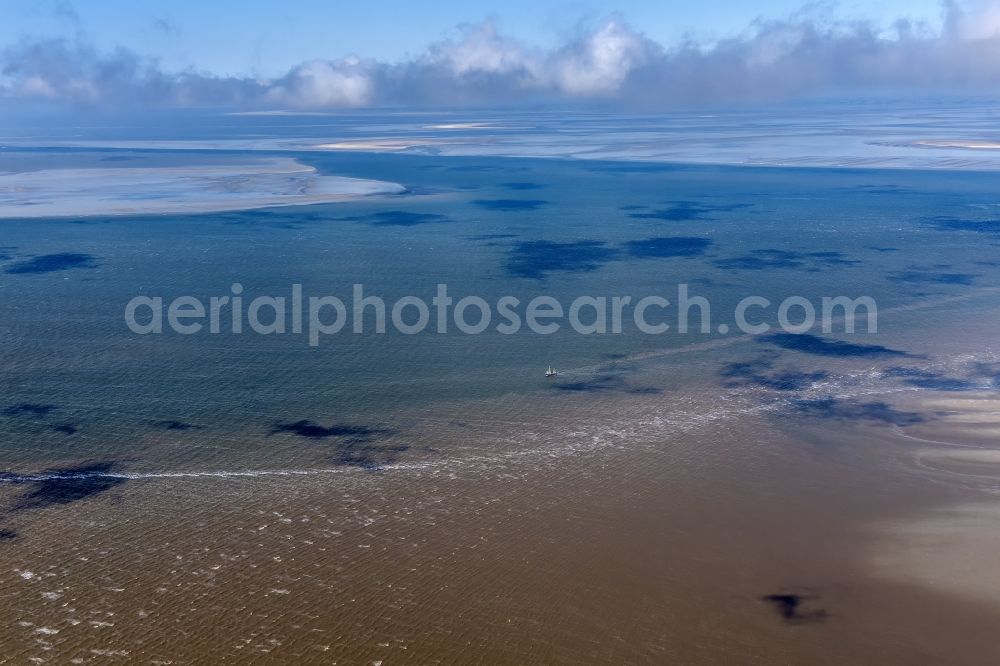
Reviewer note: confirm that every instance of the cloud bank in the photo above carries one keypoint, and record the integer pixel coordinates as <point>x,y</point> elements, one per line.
<point>612,63</point>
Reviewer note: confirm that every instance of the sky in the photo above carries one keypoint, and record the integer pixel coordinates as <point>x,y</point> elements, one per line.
<point>269,38</point>
<point>316,54</point>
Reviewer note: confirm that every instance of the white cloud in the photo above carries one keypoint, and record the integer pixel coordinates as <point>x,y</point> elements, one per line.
<point>975,20</point>
<point>599,62</point>
<point>321,83</point>
<point>802,55</point>
<point>482,50</point>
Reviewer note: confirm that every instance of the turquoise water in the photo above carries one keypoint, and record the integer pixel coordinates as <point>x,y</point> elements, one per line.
<point>78,384</point>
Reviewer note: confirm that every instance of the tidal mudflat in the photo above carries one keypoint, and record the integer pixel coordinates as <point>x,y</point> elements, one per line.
<point>810,497</point>
<point>202,185</point>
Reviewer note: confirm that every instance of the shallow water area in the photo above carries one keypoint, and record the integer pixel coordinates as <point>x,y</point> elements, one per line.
<point>688,497</point>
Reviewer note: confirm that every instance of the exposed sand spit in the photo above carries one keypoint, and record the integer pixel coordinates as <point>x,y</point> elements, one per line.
<point>951,551</point>
<point>197,188</point>
<point>972,145</point>
<point>960,419</point>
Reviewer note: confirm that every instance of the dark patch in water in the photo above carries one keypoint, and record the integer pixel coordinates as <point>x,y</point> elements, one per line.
<point>884,249</point>
<point>483,237</point>
<point>523,186</point>
<point>790,380</point>
<point>846,410</point>
<point>312,430</point>
<point>789,607</point>
<point>48,263</point>
<point>931,380</point>
<point>87,221</point>
<point>989,371</point>
<point>427,189</point>
<point>787,380</point>
<point>533,259</point>
<point>929,277</point>
<point>813,344</point>
<point>759,260</point>
<point>402,218</point>
<point>606,382</point>
<point>66,429</point>
<point>29,409</point>
<point>510,205</point>
<point>171,424</point>
<point>944,223</point>
<point>755,372</point>
<point>624,167</point>
<point>7,535</point>
<point>65,485</point>
<point>670,246</point>
<point>830,257</point>
<point>767,259</point>
<point>750,367</point>
<point>686,211</point>
<point>354,446</point>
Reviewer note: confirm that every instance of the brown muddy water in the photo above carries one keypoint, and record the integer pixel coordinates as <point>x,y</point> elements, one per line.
<point>656,528</point>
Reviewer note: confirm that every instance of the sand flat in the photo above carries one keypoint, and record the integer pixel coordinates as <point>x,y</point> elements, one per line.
<point>950,551</point>
<point>251,183</point>
<point>968,144</point>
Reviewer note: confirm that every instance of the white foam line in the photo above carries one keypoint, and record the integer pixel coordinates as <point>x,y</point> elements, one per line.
<point>680,422</point>
<point>677,424</point>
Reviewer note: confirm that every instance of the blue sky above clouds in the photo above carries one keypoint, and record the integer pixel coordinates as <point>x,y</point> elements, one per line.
<point>328,54</point>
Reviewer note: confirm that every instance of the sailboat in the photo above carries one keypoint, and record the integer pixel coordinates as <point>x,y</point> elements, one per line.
<point>551,372</point>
